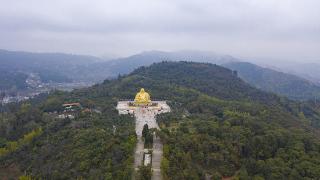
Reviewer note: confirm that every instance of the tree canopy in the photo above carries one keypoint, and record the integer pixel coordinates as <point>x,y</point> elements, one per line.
<point>220,127</point>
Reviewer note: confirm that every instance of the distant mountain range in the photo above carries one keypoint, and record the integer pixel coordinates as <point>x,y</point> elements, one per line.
<point>128,64</point>
<point>15,66</point>
<point>55,67</point>
<point>58,67</point>
<point>12,80</point>
<point>270,80</point>
<point>310,71</point>
<point>277,82</point>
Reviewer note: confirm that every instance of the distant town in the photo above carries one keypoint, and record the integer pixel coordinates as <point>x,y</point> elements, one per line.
<point>36,87</point>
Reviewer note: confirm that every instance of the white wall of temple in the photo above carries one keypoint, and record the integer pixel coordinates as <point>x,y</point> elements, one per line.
<point>124,108</point>
<point>143,115</point>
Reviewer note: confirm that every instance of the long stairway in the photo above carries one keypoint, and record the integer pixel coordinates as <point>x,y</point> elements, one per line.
<point>145,116</point>
<point>156,158</point>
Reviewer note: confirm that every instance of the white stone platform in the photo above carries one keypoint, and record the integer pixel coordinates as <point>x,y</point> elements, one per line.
<point>143,114</point>
<point>146,115</point>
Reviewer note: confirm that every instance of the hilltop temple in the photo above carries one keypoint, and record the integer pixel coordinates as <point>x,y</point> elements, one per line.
<point>144,111</point>
<point>142,98</point>
<point>142,101</point>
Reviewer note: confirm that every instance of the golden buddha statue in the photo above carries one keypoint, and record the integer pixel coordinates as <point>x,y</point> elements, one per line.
<point>142,98</point>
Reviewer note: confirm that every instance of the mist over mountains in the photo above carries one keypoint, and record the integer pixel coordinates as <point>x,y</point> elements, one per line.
<point>281,83</point>
<point>310,71</point>
<point>128,64</point>
<point>59,67</point>
<point>67,68</point>
<point>55,67</point>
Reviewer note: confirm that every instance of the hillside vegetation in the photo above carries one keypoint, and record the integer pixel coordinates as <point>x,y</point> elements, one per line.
<point>66,68</point>
<point>220,127</point>
<point>127,64</point>
<point>280,83</point>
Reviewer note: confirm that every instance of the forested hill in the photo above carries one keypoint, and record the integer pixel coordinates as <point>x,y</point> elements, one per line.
<point>128,64</point>
<point>208,78</point>
<point>281,83</point>
<point>66,68</point>
<point>291,86</point>
<point>220,127</point>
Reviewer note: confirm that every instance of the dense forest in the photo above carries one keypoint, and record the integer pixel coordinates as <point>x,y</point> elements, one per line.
<point>35,143</point>
<point>223,128</point>
<point>220,127</point>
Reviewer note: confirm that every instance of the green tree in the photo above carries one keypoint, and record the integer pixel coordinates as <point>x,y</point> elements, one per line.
<point>145,130</point>
<point>144,173</point>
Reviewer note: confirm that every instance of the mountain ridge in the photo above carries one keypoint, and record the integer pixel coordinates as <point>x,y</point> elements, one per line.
<point>237,133</point>
<point>277,82</point>
<point>89,69</point>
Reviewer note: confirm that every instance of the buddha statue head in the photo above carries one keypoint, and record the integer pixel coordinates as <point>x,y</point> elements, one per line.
<point>142,98</point>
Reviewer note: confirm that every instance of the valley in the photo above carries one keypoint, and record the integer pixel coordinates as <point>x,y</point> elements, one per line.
<point>35,87</point>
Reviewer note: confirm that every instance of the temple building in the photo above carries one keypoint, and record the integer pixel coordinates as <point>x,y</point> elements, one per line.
<point>144,111</point>
<point>142,100</point>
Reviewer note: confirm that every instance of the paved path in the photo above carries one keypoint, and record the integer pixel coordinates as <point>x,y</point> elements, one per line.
<point>144,116</point>
<point>156,158</point>
<point>138,154</point>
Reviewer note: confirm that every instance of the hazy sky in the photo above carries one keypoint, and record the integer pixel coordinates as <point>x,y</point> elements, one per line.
<point>279,29</point>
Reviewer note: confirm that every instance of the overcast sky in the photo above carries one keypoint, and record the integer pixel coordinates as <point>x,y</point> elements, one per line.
<point>275,29</point>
